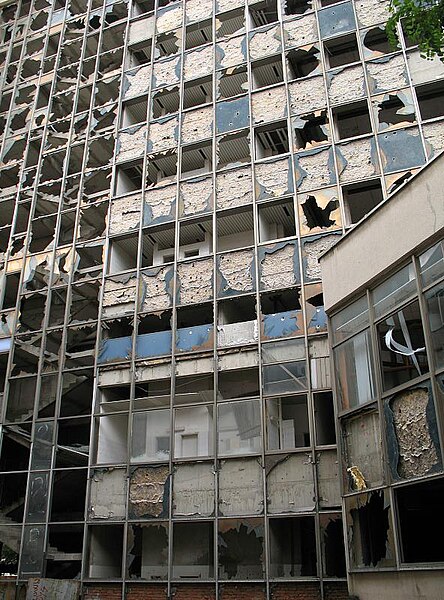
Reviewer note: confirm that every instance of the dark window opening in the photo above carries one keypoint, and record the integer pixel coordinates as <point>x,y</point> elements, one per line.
<point>297,7</point>
<point>360,199</point>
<point>271,140</point>
<point>352,120</point>
<point>341,51</point>
<point>317,216</point>
<point>430,99</point>
<point>267,72</point>
<point>370,528</point>
<point>394,111</point>
<point>263,13</point>
<point>376,40</point>
<point>302,62</point>
<point>312,130</point>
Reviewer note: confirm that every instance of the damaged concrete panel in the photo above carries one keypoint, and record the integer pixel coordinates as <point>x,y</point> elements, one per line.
<point>279,266</point>
<point>224,5</point>
<point>312,248</point>
<point>195,339</point>
<point>157,292</point>
<point>234,188</point>
<point>290,486</point>
<point>273,179</point>
<point>149,345</point>
<point>166,72</point>
<point>237,359</point>
<point>194,366</point>
<point>315,169</point>
<point>319,211</point>
<point>197,125</point>
<point>412,433</point>
<point>159,205</point>
<point>196,196</point>
<point>371,12</point>
<point>423,71</point>
<point>269,105</point>
<point>307,95</point>
<point>300,32</point>
<point>140,30</point>
<point>195,281</point>
<point>401,149</point>
<point>169,18</point>
<point>198,63</point>
<point>328,479</point>
<point>434,136</point>
<point>119,295</point>
<point>148,492</point>
<point>235,272</point>
<point>116,349</point>
<point>387,73</point>
<point>108,494</point>
<point>346,84</point>
<point>264,42</point>
<point>363,451</point>
<point>231,52</point>
<point>198,10</point>
<point>163,134</point>
<point>231,115</point>
<point>283,324</point>
<point>357,160</point>
<point>125,214</point>
<point>137,82</point>
<point>336,19</point>
<point>237,334</point>
<point>240,487</point>
<point>193,490</point>
<point>131,143</point>
<point>113,376</point>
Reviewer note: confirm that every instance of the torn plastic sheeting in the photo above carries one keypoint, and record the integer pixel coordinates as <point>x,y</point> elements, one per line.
<point>115,349</point>
<point>283,324</point>
<point>190,339</point>
<point>231,115</point>
<point>153,344</point>
<point>339,18</point>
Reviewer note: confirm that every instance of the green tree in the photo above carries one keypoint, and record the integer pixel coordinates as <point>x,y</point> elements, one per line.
<point>423,21</point>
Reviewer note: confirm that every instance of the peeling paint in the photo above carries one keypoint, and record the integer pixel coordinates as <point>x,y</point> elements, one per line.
<point>279,266</point>
<point>357,160</point>
<point>193,490</point>
<point>148,492</point>
<point>195,281</point>
<point>315,169</point>
<point>197,338</point>
<point>372,12</point>
<point>157,289</point>
<point>312,249</point>
<point>169,18</point>
<point>300,32</point>
<point>434,135</point>
<point>163,134</point>
<point>166,72</point>
<point>223,5</point>
<point>283,324</point>
<point>264,42</point>
<point>108,494</point>
<point>240,489</point>
<point>119,295</point>
<point>198,10</point>
<point>413,442</point>
<point>269,105</point>
<point>290,483</point>
<point>236,271</point>
<point>131,143</point>
<point>196,196</point>
<point>237,334</point>
<point>387,73</point>
<point>234,188</point>
<point>159,205</point>
<point>346,85</point>
<point>231,52</point>
<point>198,63</point>
<point>307,95</point>
<point>137,82</point>
<point>197,125</point>
<point>273,178</point>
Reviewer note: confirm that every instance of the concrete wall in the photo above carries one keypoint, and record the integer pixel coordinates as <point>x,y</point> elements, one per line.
<point>406,220</point>
<point>409,585</point>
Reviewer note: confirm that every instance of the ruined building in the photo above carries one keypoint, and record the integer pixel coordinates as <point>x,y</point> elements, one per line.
<point>169,174</point>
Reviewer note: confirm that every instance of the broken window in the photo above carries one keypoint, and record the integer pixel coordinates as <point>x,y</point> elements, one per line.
<point>196,159</point>
<point>375,42</point>
<point>15,451</point>
<point>241,548</point>
<point>229,23</point>
<point>142,7</point>
<point>193,552</point>
<point>193,432</point>
<point>271,140</point>
<point>158,246</point>
<point>435,305</point>
<point>193,490</point>
<point>73,442</point>
<point>263,13</point>
<point>333,550</point>
<point>430,100</point>
<point>287,423</point>
<point>195,239</point>
<point>105,551</point>
<point>267,71</point>
<point>162,169</point>
<point>150,436</point>
<point>302,62</point>
<point>112,433</point>
<point>239,427</point>
<point>64,555</point>
<point>233,149</point>
<point>123,254</point>
<point>311,130</point>
<point>234,230</point>
<point>297,7</point>
<point>68,495</point>
<point>276,220</point>
<point>352,120</point>
<point>396,110</point>
<point>341,51</point>
<point>360,199</point>
<point>285,377</point>
<point>293,547</point>
<point>370,534</point>
<point>198,34</point>
<point>147,556</point>
<point>134,111</point>
<point>168,44</point>
<point>363,451</point>
<point>192,389</point>
<point>197,92</point>
<point>165,102</point>
<point>324,419</point>
<point>129,178</point>
<point>431,264</point>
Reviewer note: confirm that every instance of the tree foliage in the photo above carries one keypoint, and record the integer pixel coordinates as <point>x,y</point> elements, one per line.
<point>423,21</point>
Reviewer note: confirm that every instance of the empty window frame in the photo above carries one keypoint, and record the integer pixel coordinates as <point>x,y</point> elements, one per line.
<point>375,40</point>
<point>134,111</point>
<point>276,220</point>
<point>301,63</point>
<point>287,423</point>
<point>297,7</point>
<point>292,547</point>
<point>267,71</point>
<point>341,51</point>
<point>396,109</point>
<point>235,230</point>
<point>271,140</point>
<point>197,92</point>
<point>352,120</point>
<point>430,100</point>
<point>229,23</point>
<point>198,34</point>
<point>233,149</point>
<point>311,130</point>
<point>263,13</point>
<point>360,199</point>
<point>129,178</point>
<point>196,159</point>
<point>168,44</point>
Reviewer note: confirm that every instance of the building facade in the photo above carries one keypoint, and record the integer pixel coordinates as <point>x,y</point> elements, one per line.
<point>387,338</point>
<point>170,173</point>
